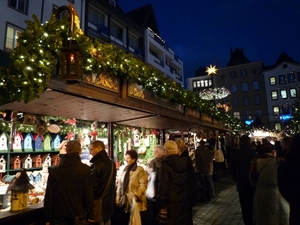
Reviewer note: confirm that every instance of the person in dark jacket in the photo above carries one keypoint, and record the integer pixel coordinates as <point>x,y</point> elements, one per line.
<point>288,177</point>
<point>172,188</point>
<point>192,181</point>
<point>204,157</point>
<point>240,169</point>
<point>104,178</point>
<point>69,191</point>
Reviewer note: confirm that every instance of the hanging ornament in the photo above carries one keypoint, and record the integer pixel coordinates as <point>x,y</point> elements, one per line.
<point>94,132</point>
<point>13,119</point>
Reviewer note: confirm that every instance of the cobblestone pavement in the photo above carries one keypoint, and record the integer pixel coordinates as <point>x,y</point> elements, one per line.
<point>224,209</point>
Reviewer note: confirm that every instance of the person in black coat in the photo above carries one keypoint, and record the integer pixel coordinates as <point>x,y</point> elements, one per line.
<point>102,168</point>
<point>173,194</point>
<point>288,177</point>
<point>69,191</point>
<point>192,180</point>
<point>240,169</point>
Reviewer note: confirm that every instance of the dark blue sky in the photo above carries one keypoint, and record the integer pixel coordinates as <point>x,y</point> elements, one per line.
<point>202,32</point>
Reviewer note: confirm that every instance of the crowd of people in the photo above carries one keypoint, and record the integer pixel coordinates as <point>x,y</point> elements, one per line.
<point>166,191</point>
<point>267,180</point>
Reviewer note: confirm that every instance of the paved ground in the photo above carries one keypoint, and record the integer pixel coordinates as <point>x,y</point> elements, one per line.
<point>224,209</point>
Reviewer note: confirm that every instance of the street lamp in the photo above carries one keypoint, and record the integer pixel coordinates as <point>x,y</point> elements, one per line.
<point>71,57</point>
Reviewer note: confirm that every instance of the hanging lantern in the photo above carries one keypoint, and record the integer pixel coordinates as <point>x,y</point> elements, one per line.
<point>71,62</point>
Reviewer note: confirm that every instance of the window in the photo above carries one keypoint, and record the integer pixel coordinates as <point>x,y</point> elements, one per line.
<point>235,102</point>
<point>245,87</point>
<point>19,5</point>
<point>285,109</point>
<point>198,83</point>
<point>237,115</point>
<point>246,100</point>
<point>255,85</point>
<point>259,113</point>
<point>194,84</point>
<point>232,75</point>
<point>95,17</point>
<point>293,92</point>
<point>291,78</point>
<point>12,35</point>
<point>248,115</point>
<point>277,126</point>
<point>275,110</point>
<point>133,41</point>
<point>243,73</point>
<point>272,81</point>
<point>257,99</point>
<point>234,88</point>
<point>116,31</point>
<point>298,76</point>
<point>283,94</point>
<point>281,79</point>
<point>274,95</point>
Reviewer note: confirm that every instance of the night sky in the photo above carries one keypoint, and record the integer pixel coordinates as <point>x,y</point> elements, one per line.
<point>202,32</point>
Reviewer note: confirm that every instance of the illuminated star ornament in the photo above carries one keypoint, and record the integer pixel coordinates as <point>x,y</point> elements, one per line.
<point>211,70</point>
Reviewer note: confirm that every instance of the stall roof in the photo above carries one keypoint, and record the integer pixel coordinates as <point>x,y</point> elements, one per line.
<point>87,103</point>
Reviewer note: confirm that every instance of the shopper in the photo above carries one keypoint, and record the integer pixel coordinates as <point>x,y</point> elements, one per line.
<point>131,185</point>
<point>153,171</point>
<point>240,169</point>
<point>103,171</point>
<point>192,181</point>
<point>172,187</point>
<point>289,179</point>
<point>69,191</point>
<point>269,206</point>
<point>204,157</point>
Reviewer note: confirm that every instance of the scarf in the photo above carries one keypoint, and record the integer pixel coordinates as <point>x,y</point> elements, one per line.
<point>128,168</point>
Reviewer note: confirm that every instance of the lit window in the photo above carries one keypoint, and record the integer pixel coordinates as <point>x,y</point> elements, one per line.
<point>237,115</point>
<point>194,84</point>
<point>275,110</point>
<point>283,93</point>
<point>272,81</point>
<point>198,83</point>
<point>234,88</point>
<point>277,126</point>
<point>12,35</point>
<point>274,95</point>
<point>293,92</point>
<point>202,83</point>
<point>245,87</point>
<point>19,5</point>
<point>256,85</point>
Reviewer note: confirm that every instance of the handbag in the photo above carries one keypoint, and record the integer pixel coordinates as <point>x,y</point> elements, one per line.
<point>150,192</point>
<point>98,202</point>
<point>135,217</point>
<point>219,157</point>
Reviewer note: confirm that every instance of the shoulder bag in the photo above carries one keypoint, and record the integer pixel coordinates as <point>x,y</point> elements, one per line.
<point>98,202</point>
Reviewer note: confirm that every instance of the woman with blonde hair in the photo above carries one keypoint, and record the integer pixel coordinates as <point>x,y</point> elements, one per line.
<point>172,187</point>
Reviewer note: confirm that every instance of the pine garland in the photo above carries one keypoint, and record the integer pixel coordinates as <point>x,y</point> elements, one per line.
<point>35,58</point>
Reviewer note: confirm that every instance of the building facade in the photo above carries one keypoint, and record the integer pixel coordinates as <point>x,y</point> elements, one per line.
<point>135,32</point>
<point>282,90</point>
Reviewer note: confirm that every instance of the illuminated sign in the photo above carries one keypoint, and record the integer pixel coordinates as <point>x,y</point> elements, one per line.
<point>248,122</point>
<point>285,117</point>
